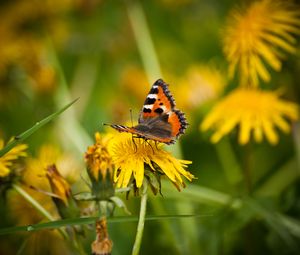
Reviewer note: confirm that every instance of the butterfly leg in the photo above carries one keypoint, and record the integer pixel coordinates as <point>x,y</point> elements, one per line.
<point>133,141</point>
<point>146,141</point>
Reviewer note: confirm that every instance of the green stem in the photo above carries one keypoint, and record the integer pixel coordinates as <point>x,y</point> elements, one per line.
<point>37,206</point>
<point>230,164</point>
<point>248,167</point>
<point>33,202</point>
<point>143,40</point>
<point>141,223</point>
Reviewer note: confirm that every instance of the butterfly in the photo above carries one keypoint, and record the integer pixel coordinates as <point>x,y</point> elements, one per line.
<point>159,120</point>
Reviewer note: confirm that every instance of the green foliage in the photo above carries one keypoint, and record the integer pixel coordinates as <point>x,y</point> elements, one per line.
<point>250,193</point>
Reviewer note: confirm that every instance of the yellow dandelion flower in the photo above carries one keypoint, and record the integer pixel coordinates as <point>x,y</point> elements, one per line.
<point>98,159</point>
<point>35,175</point>
<point>131,156</point>
<point>258,36</point>
<point>6,161</point>
<point>200,84</point>
<point>251,110</point>
<point>47,155</point>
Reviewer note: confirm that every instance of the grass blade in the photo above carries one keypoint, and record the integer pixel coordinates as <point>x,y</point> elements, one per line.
<point>88,220</point>
<point>20,138</point>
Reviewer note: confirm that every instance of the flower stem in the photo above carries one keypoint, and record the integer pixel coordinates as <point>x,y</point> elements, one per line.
<point>33,202</point>
<point>143,39</point>
<point>141,223</point>
<point>248,168</point>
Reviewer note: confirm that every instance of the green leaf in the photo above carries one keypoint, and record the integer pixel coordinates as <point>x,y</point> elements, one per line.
<point>89,220</point>
<point>230,165</point>
<point>280,180</point>
<point>20,138</point>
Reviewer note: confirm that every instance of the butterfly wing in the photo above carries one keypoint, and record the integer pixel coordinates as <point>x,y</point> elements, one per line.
<point>159,114</point>
<point>158,120</point>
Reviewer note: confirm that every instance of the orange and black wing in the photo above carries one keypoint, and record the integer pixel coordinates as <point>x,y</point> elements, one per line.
<point>160,106</point>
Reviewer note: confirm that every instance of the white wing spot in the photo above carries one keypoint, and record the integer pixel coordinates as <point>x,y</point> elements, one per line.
<point>148,106</point>
<point>152,96</point>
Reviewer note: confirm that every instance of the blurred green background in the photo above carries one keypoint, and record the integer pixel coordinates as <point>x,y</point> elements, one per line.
<point>52,52</point>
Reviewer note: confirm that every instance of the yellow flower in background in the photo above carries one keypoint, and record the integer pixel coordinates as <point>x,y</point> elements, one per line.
<point>50,154</point>
<point>200,84</point>
<point>6,161</point>
<point>134,82</point>
<point>130,156</point>
<point>251,110</point>
<point>22,44</point>
<point>35,175</point>
<point>98,159</point>
<point>258,36</point>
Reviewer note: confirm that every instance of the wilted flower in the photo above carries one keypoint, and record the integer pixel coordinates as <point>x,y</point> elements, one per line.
<point>251,110</point>
<point>62,194</point>
<point>258,36</point>
<point>102,245</point>
<point>59,186</point>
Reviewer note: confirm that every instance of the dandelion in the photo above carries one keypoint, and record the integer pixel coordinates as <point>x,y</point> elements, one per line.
<point>6,161</point>
<point>199,85</point>
<point>258,36</point>
<point>132,157</point>
<point>100,168</point>
<point>34,175</point>
<point>98,159</point>
<point>251,110</point>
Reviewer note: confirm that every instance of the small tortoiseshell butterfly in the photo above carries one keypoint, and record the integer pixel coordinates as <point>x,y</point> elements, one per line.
<point>158,120</point>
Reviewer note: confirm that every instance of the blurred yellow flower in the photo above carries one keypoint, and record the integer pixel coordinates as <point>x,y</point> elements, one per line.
<point>98,159</point>
<point>35,175</point>
<point>22,44</point>
<point>6,161</point>
<point>257,36</point>
<point>200,84</point>
<point>131,155</point>
<point>50,154</point>
<point>134,82</point>
<point>251,109</point>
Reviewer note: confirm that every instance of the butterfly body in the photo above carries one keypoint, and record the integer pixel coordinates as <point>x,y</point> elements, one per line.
<point>158,120</point>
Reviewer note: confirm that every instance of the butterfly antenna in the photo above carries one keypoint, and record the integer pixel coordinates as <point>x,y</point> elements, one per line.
<point>131,117</point>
